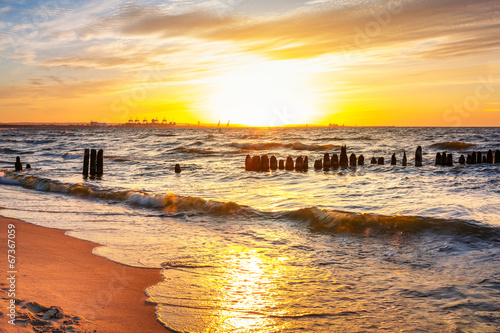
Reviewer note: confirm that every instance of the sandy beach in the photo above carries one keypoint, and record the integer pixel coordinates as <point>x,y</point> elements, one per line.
<point>61,286</point>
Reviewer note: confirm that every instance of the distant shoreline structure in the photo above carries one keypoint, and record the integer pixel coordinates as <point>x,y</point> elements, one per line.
<point>194,125</point>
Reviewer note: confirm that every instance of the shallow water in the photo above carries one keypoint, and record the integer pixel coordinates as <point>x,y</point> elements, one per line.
<point>359,249</point>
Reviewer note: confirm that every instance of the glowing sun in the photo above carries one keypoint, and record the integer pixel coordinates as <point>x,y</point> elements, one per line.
<point>263,94</point>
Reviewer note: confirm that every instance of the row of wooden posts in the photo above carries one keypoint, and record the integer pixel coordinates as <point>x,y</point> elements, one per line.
<point>96,164</point>
<point>93,160</point>
<point>264,163</point>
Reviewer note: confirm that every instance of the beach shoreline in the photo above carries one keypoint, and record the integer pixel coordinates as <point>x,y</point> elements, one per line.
<point>60,284</point>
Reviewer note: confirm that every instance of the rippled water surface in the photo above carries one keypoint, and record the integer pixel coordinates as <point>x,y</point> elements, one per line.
<point>358,249</point>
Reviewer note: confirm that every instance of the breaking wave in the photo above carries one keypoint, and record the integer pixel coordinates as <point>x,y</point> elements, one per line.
<point>271,145</point>
<point>453,145</point>
<point>333,221</point>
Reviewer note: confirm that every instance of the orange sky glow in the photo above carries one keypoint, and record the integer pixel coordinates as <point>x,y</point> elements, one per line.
<point>258,63</point>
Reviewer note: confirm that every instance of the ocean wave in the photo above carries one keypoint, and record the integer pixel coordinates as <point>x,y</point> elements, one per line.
<point>332,221</point>
<point>453,145</point>
<point>362,138</point>
<point>369,224</point>
<point>13,151</point>
<point>273,145</point>
<point>38,141</point>
<point>72,156</point>
<point>188,150</point>
<point>9,151</point>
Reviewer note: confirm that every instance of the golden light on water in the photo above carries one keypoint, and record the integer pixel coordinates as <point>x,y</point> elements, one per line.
<point>263,94</point>
<point>248,290</point>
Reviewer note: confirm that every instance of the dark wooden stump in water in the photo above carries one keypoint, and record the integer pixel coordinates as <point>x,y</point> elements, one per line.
<point>281,165</point>
<point>393,159</point>
<point>439,160</point>
<point>361,160</point>
<point>100,162</point>
<point>28,166</point>
<point>461,159</point>
<point>18,165</point>
<point>177,168</point>
<point>289,163</point>
<point>305,164</point>
<point>264,163</point>
<point>86,156</point>
<point>256,163</point>
<point>473,158</point>
<point>248,163</point>
<point>469,159</point>
<point>405,161</point>
<point>335,160</point>
<point>274,163</point>
<point>497,156</point>
<point>326,161</point>
<point>298,163</point>
<point>380,161</point>
<point>418,157</point>
<point>318,164</point>
<point>352,160</point>
<point>93,162</point>
<point>489,157</point>
<point>343,156</point>
<point>373,160</point>
<point>479,157</point>
<point>449,160</point>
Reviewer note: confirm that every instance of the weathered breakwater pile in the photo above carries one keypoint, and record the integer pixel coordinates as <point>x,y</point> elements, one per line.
<point>264,163</point>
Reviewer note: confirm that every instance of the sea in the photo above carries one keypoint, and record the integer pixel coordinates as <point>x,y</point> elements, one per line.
<point>372,248</point>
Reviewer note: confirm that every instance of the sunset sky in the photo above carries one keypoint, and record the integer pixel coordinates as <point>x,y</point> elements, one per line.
<point>253,62</point>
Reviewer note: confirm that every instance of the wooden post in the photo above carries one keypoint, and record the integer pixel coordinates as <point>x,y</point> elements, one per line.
<point>361,160</point>
<point>264,163</point>
<point>352,160</point>
<point>289,163</point>
<point>93,162</point>
<point>469,159</point>
<point>343,156</point>
<point>177,168</point>
<point>449,160</point>
<point>380,161</point>
<point>256,163</point>
<point>334,161</point>
<point>318,164</point>
<point>473,158</point>
<point>18,166</point>
<point>326,161</point>
<point>86,162</point>
<point>479,157</point>
<point>281,164</point>
<point>100,162</point>
<point>274,163</point>
<point>248,163</point>
<point>373,160</point>
<point>305,164</point>
<point>489,157</point>
<point>393,159</point>
<point>418,157</point>
<point>298,163</point>
<point>461,159</point>
<point>497,156</point>
<point>439,159</point>
<point>405,161</point>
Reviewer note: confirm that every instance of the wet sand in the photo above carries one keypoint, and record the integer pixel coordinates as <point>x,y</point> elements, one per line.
<point>89,293</point>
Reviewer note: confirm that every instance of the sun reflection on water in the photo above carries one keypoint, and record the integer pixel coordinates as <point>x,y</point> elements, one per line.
<point>247,294</point>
